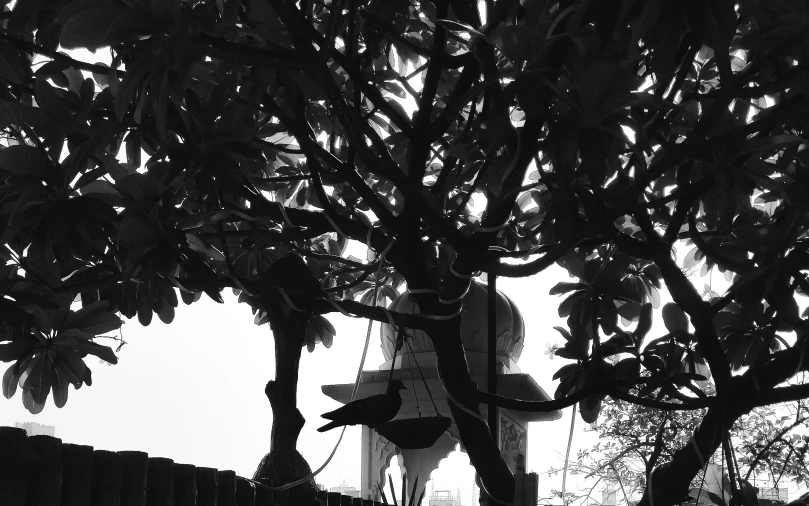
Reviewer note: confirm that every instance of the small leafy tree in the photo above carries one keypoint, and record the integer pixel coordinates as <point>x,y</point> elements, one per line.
<point>768,444</point>
<point>596,135</point>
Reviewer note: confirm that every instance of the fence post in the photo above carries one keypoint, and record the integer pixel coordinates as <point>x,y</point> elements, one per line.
<point>245,492</point>
<point>531,489</point>
<point>526,486</point>
<point>47,478</point>
<point>160,482</point>
<point>133,478</point>
<point>185,485</point>
<point>264,497</point>
<point>77,475</point>
<point>16,461</point>
<point>227,488</point>
<point>207,486</point>
<point>107,476</point>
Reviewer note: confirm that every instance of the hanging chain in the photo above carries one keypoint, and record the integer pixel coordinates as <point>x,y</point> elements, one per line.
<point>399,342</point>
<point>412,382</point>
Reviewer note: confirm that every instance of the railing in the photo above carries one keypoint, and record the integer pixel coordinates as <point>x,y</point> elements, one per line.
<point>42,471</point>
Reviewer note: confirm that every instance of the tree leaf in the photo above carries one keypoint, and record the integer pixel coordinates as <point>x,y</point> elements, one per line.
<point>10,68</point>
<point>144,305</point>
<point>589,408</point>
<point>61,384</point>
<point>674,318</point>
<point>15,350</point>
<point>563,287</point>
<point>198,245</point>
<point>393,88</point>
<point>99,323</point>
<point>130,85</point>
<point>566,370</point>
<point>38,381</point>
<point>105,24</point>
<point>465,151</point>
<point>31,404</point>
<point>10,380</point>
<point>25,160</point>
<point>73,361</point>
<point>76,318</point>
<point>770,143</point>
<point>103,352</point>
<point>50,101</point>
<point>166,313</point>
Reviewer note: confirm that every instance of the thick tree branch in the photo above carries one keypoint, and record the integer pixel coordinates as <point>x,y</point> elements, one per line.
<point>250,55</point>
<point>358,129</point>
<point>30,47</point>
<point>356,181</point>
<point>457,101</point>
<point>420,140</point>
<point>315,221</point>
<point>701,313</point>
<point>710,252</point>
<point>534,266</point>
<point>613,389</point>
<point>294,20</point>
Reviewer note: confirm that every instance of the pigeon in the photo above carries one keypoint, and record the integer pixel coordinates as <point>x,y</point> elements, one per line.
<point>370,411</point>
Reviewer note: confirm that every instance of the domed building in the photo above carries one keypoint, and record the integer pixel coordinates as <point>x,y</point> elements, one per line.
<point>377,451</point>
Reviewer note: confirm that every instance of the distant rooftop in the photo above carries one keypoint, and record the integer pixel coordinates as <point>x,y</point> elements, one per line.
<point>36,429</point>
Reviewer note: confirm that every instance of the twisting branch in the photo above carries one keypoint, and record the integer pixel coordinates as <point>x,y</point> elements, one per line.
<point>763,452</point>
<point>721,260</point>
<point>613,389</point>
<point>359,131</point>
<point>30,47</point>
<point>420,140</point>
<point>535,266</point>
<point>347,170</point>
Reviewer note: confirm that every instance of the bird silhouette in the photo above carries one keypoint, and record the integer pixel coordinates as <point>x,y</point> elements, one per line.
<point>369,411</point>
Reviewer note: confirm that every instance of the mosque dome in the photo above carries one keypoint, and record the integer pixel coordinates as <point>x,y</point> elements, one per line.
<point>474,325</point>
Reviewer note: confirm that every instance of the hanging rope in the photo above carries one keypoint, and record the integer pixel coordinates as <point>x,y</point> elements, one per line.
<point>423,380</point>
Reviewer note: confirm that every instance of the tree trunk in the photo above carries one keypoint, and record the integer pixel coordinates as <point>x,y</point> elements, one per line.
<point>480,446</point>
<point>284,464</point>
<point>408,256</point>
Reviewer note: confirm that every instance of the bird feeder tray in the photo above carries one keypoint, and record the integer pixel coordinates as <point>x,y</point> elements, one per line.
<point>414,433</point>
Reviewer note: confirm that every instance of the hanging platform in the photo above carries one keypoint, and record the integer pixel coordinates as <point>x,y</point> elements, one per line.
<point>517,386</point>
<point>414,433</point>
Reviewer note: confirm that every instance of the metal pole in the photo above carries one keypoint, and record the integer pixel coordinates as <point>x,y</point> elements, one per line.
<point>492,350</point>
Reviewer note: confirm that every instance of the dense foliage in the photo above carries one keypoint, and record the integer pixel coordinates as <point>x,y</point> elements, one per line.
<point>224,135</point>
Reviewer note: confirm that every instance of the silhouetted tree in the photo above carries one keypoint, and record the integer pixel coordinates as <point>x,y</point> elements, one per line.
<point>597,135</point>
